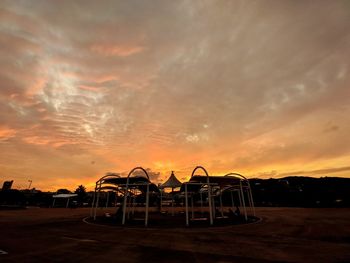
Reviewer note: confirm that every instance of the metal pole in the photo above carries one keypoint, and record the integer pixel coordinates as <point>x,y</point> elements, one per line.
<point>53,203</point>
<point>161,200</point>
<point>239,198</point>
<point>221,208</point>
<point>201,195</point>
<point>244,208</point>
<point>133,203</point>
<point>192,214</point>
<point>93,201</point>
<point>124,203</point>
<point>210,204</point>
<point>232,202</point>
<point>67,203</point>
<point>30,184</point>
<point>147,204</point>
<point>172,201</point>
<point>214,207</point>
<point>97,200</point>
<point>107,199</point>
<point>186,204</point>
<point>129,202</point>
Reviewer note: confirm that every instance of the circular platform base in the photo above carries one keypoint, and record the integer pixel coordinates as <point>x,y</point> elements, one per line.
<point>160,220</point>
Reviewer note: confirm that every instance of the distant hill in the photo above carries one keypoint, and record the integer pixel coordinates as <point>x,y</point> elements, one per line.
<point>302,191</point>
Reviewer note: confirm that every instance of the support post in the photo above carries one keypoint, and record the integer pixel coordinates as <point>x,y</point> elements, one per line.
<point>221,208</point>
<point>97,200</point>
<point>161,200</point>
<point>244,207</point>
<point>192,211</point>
<point>133,203</point>
<point>129,203</point>
<point>107,199</point>
<point>124,202</point>
<point>147,204</point>
<point>186,204</point>
<point>210,204</point>
<point>201,196</point>
<point>172,201</point>
<point>240,198</point>
<point>93,201</point>
<point>214,207</point>
<point>232,202</point>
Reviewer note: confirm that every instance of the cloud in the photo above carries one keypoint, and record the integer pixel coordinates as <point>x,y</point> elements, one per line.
<point>6,133</point>
<point>317,173</point>
<point>116,50</point>
<point>321,171</point>
<point>186,83</point>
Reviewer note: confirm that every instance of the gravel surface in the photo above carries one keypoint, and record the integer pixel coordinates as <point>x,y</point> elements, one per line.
<point>283,235</point>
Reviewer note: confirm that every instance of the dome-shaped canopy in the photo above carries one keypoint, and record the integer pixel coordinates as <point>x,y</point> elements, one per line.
<point>172,182</point>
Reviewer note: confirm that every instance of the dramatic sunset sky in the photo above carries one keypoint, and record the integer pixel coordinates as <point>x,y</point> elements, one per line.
<point>89,87</point>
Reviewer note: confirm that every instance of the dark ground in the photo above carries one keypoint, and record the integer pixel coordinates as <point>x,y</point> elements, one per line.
<point>283,235</point>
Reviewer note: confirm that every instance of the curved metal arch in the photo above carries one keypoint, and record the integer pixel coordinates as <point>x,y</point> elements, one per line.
<point>138,168</point>
<point>236,174</point>
<point>126,192</point>
<point>250,198</point>
<point>209,195</point>
<point>107,175</point>
<point>241,177</point>
<point>199,167</point>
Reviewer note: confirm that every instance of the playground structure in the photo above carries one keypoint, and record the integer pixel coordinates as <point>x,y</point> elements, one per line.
<point>209,192</point>
<point>134,191</point>
<point>172,183</point>
<point>204,198</point>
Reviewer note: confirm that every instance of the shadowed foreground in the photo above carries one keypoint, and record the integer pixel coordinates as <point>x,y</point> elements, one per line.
<point>284,234</point>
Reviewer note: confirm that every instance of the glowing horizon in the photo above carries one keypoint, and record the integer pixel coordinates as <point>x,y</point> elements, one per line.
<point>88,87</point>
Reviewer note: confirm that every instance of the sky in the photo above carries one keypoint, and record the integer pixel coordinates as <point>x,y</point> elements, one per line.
<point>255,87</point>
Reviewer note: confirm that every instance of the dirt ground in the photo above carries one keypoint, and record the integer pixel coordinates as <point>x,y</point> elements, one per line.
<point>283,235</point>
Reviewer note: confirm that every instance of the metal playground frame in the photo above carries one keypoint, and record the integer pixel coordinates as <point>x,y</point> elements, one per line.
<point>203,197</point>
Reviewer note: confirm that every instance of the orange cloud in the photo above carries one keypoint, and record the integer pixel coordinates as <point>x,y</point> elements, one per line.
<point>36,86</point>
<point>6,133</point>
<point>116,50</point>
<point>55,143</point>
<point>90,88</point>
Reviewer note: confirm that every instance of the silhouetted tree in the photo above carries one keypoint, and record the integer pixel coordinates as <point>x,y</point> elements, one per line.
<point>81,192</point>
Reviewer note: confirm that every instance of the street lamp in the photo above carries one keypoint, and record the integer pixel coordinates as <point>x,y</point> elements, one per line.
<point>30,184</point>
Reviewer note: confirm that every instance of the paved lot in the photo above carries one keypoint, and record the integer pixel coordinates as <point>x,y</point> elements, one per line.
<point>283,235</point>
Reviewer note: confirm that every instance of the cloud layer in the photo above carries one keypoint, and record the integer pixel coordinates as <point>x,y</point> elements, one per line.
<point>88,87</point>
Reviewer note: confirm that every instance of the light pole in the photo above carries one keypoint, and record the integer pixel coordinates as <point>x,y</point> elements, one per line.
<point>30,184</point>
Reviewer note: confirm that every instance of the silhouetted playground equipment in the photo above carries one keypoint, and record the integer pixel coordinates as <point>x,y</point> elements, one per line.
<point>66,197</point>
<point>172,183</point>
<point>203,200</point>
